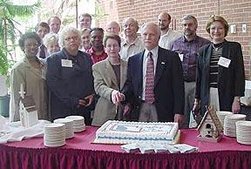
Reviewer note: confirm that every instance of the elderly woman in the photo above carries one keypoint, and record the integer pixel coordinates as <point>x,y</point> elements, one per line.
<point>109,76</point>
<point>85,37</point>
<point>69,78</point>
<point>51,43</point>
<point>29,72</point>
<point>220,70</point>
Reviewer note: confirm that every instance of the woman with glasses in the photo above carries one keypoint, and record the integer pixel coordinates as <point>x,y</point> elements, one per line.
<point>109,78</point>
<point>30,74</point>
<point>220,70</point>
<point>69,78</point>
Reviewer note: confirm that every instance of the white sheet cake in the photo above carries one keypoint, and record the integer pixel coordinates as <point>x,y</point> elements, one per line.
<point>121,132</point>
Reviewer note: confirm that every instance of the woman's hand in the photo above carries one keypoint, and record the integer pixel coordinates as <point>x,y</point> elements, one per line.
<point>89,100</point>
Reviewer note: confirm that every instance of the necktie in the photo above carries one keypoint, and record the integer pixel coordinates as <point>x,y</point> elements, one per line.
<point>149,86</point>
<point>42,52</point>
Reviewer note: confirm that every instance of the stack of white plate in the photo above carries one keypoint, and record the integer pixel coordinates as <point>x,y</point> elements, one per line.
<point>229,124</point>
<point>54,135</point>
<point>69,131</point>
<point>222,114</point>
<point>78,123</point>
<point>243,132</point>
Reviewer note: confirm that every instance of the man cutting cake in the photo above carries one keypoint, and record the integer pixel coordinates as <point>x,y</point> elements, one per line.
<point>154,89</point>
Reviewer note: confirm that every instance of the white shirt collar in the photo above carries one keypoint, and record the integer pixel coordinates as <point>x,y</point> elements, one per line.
<point>154,51</point>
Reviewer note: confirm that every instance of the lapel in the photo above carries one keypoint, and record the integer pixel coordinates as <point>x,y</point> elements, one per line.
<point>139,72</point>
<point>123,72</point>
<point>226,54</point>
<point>109,73</point>
<point>208,57</point>
<point>161,64</point>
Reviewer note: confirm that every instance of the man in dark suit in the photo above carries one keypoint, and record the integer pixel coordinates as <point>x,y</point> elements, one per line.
<point>161,99</point>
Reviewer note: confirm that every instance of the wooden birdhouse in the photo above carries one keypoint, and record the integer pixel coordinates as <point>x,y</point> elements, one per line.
<point>210,127</point>
<point>27,110</point>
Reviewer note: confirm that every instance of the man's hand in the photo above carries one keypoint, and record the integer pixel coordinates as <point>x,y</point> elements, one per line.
<point>236,106</point>
<point>179,119</point>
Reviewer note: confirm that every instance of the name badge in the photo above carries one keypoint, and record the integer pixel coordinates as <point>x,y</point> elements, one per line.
<point>225,62</point>
<point>181,55</point>
<point>66,63</point>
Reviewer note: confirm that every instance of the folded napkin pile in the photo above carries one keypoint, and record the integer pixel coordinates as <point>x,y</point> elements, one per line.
<point>10,132</point>
<point>159,148</point>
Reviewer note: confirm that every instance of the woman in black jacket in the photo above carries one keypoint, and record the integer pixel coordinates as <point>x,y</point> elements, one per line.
<point>220,70</point>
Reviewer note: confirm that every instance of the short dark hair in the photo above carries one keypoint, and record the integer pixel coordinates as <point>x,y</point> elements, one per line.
<point>112,36</point>
<point>220,19</point>
<point>42,24</point>
<point>85,15</point>
<point>29,35</point>
<point>97,29</point>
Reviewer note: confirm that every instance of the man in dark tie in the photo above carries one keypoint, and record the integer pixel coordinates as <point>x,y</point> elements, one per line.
<point>42,29</point>
<point>154,86</point>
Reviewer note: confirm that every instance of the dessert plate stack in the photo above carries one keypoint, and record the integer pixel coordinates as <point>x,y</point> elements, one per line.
<point>229,124</point>
<point>222,114</point>
<point>54,135</point>
<point>78,123</point>
<point>243,132</point>
<point>69,132</point>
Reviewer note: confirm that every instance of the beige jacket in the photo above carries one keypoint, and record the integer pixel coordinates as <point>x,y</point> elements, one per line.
<point>33,81</point>
<point>104,83</point>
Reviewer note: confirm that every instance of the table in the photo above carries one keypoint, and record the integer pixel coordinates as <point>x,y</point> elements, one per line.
<point>80,153</point>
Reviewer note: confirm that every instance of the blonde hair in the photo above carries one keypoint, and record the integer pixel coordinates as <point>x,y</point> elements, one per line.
<point>82,31</point>
<point>50,38</point>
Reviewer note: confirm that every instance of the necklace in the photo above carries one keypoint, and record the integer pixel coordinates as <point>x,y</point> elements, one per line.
<point>218,46</point>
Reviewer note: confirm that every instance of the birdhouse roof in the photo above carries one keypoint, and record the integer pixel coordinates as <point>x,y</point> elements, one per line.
<point>212,113</point>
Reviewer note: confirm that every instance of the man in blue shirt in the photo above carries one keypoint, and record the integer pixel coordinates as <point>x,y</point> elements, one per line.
<point>187,47</point>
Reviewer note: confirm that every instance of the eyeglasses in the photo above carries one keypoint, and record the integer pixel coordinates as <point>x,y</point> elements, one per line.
<point>73,38</point>
<point>112,46</point>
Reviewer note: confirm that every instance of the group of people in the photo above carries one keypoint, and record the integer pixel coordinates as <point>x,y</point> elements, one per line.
<point>160,76</point>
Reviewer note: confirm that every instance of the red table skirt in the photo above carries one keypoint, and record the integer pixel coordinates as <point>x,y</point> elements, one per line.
<point>79,153</point>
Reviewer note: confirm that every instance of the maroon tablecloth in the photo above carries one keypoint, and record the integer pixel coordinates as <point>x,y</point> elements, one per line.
<point>80,153</point>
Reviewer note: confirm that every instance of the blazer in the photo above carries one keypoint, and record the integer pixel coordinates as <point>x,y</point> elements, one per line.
<point>69,84</point>
<point>231,80</point>
<point>168,84</point>
<point>105,82</point>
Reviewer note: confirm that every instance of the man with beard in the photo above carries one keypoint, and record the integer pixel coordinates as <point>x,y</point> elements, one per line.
<point>132,44</point>
<point>97,51</point>
<point>187,47</point>
<point>168,36</point>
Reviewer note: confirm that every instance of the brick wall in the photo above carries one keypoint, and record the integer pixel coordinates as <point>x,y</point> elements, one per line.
<point>235,12</point>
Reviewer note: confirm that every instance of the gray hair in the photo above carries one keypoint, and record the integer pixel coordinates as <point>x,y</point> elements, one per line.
<point>152,25</point>
<point>190,17</point>
<point>134,21</point>
<point>65,31</point>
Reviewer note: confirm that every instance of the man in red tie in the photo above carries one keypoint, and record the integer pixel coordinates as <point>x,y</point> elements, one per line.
<point>154,87</point>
